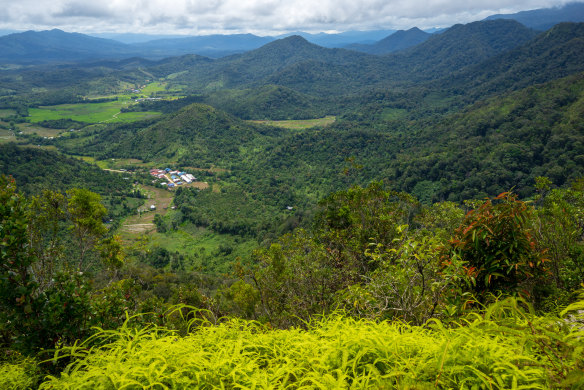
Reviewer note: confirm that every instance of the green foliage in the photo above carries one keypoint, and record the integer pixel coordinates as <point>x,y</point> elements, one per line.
<point>39,292</point>
<point>409,282</point>
<point>19,373</point>
<point>240,299</point>
<point>36,170</point>
<point>268,102</point>
<point>349,221</point>
<point>497,246</point>
<point>557,227</point>
<point>296,278</point>
<point>504,347</point>
<point>86,213</point>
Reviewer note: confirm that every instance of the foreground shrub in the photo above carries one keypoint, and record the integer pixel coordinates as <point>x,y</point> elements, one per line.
<point>19,374</point>
<point>504,347</point>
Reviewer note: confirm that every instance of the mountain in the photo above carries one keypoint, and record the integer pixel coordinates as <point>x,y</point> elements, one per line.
<point>343,39</point>
<point>499,144</point>
<point>545,18</point>
<point>57,46</point>
<point>214,46</point>
<point>130,38</point>
<point>556,53</point>
<point>458,47</point>
<point>325,71</point>
<point>397,41</point>
<point>197,134</point>
<point>260,66</point>
<point>295,63</point>
<point>7,32</point>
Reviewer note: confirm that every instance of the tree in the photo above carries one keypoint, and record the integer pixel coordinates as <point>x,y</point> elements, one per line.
<point>295,279</point>
<point>497,245</point>
<point>86,213</point>
<point>407,284</point>
<point>558,226</point>
<point>348,222</point>
<point>41,303</point>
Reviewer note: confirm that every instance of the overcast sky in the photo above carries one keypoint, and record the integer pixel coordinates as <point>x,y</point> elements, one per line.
<point>262,17</point>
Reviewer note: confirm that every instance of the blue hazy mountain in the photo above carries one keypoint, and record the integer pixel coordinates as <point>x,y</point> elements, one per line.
<point>343,39</point>
<point>545,18</point>
<point>397,41</point>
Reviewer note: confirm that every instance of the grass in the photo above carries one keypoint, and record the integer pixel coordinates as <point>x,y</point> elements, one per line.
<point>154,87</point>
<point>204,247</point>
<point>4,112</point>
<point>142,223</point>
<point>505,347</point>
<point>89,112</point>
<point>31,128</point>
<point>299,124</point>
<point>7,136</point>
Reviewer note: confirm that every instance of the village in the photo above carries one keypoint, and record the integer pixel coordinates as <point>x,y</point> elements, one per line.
<point>172,178</point>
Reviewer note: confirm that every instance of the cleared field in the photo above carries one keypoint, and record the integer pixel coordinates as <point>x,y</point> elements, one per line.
<point>7,136</point>
<point>89,112</point>
<point>154,87</point>
<point>142,223</point>
<point>29,128</point>
<point>300,124</point>
<point>4,112</point>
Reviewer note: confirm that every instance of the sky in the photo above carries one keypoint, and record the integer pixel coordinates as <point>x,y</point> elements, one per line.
<point>260,17</point>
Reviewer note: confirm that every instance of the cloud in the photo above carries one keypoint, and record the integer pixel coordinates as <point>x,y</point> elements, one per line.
<point>257,16</point>
<point>84,9</point>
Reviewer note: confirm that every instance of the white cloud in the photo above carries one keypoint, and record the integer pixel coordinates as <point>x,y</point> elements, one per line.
<point>257,16</point>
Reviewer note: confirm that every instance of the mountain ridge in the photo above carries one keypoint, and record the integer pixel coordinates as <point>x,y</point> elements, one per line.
<point>399,40</point>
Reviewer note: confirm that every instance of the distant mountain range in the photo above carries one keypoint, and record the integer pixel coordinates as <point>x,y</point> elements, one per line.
<point>343,39</point>
<point>58,46</point>
<point>545,18</point>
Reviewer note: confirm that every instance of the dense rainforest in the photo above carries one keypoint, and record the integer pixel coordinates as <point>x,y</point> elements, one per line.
<point>405,219</point>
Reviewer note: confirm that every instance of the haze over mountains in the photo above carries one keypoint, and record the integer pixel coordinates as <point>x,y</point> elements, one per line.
<point>58,46</point>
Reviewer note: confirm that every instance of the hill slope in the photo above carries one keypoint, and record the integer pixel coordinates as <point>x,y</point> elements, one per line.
<point>458,47</point>
<point>556,53</point>
<point>36,170</point>
<point>197,134</point>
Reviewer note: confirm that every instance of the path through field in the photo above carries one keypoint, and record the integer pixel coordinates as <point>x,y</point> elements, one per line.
<point>142,223</point>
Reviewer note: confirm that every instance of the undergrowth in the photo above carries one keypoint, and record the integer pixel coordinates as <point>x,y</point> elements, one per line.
<point>505,347</point>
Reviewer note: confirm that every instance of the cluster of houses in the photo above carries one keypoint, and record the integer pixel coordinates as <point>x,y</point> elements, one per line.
<point>172,178</point>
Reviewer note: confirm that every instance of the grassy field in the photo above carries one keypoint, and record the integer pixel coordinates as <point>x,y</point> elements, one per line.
<point>89,112</point>
<point>30,128</point>
<point>300,124</point>
<point>205,247</point>
<point>154,87</point>
<point>4,112</point>
<point>7,136</point>
<point>142,222</point>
